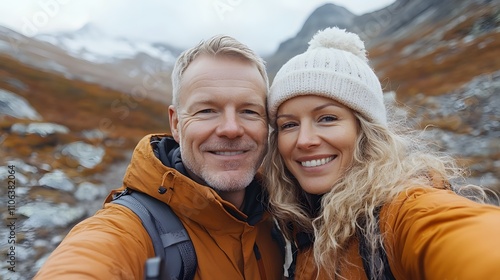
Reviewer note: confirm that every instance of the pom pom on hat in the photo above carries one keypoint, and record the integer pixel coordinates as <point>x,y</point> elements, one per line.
<point>334,66</point>
<point>339,39</point>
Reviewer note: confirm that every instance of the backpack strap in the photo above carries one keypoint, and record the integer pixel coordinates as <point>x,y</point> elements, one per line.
<point>364,251</point>
<point>168,235</point>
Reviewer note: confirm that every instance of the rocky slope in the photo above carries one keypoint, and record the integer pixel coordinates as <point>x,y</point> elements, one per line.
<point>65,144</point>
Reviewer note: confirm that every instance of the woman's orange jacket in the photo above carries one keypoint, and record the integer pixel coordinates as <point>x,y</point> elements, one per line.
<point>430,233</point>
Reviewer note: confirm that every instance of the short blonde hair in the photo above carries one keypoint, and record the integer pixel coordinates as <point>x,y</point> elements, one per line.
<point>219,45</point>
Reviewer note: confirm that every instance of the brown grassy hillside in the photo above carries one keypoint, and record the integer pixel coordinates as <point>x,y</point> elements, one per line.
<point>80,106</point>
<point>433,65</point>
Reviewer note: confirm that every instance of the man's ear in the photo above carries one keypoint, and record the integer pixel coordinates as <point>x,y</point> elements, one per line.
<point>174,122</point>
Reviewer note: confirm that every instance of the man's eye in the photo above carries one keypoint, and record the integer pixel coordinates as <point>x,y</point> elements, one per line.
<point>250,112</point>
<point>205,111</point>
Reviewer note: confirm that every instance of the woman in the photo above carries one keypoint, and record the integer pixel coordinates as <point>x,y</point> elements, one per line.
<point>356,198</point>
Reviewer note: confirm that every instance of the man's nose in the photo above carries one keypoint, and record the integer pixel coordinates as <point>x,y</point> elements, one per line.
<point>230,126</point>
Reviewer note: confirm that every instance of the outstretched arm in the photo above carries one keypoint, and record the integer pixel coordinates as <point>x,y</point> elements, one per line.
<point>436,234</point>
<point>112,244</point>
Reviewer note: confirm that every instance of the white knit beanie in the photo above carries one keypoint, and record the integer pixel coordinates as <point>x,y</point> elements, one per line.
<point>334,66</point>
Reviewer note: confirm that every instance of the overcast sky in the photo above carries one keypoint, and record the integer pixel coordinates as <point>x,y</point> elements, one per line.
<point>261,24</point>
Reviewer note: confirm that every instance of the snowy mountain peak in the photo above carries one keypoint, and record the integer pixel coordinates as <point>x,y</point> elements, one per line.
<point>90,30</point>
<point>93,44</point>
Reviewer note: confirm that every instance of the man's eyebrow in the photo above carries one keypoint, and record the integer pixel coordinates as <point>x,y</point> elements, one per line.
<point>256,104</point>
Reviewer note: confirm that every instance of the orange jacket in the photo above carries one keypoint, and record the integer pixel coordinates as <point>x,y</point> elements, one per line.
<point>113,244</point>
<point>430,234</point>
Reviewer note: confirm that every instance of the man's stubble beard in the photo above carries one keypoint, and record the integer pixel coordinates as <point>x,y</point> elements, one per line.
<point>219,180</point>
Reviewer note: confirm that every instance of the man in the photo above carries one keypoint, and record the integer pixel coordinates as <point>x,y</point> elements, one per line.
<point>205,172</point>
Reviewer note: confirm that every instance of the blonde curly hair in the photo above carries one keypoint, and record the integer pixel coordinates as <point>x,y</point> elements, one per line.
<point>385,163</point>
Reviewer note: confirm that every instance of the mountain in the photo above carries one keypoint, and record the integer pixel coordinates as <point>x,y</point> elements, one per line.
<point>324,16</point>
<point>67,142</point>
<point>92,44</point>
<point>91,55</point>
<point>437,49</point>
<point>414,45</point>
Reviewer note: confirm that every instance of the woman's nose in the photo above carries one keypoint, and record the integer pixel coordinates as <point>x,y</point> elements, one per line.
<point>307,137</point>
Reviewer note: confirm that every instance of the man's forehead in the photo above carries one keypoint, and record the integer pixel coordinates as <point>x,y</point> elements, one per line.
<point>209,69</point>
<point>219,63</point>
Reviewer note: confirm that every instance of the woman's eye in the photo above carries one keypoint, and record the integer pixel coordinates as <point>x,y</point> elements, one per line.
<point>328,119</point>
<point>287,125</point>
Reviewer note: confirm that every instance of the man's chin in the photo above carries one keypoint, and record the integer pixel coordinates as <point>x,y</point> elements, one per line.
<point>229,180</point>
